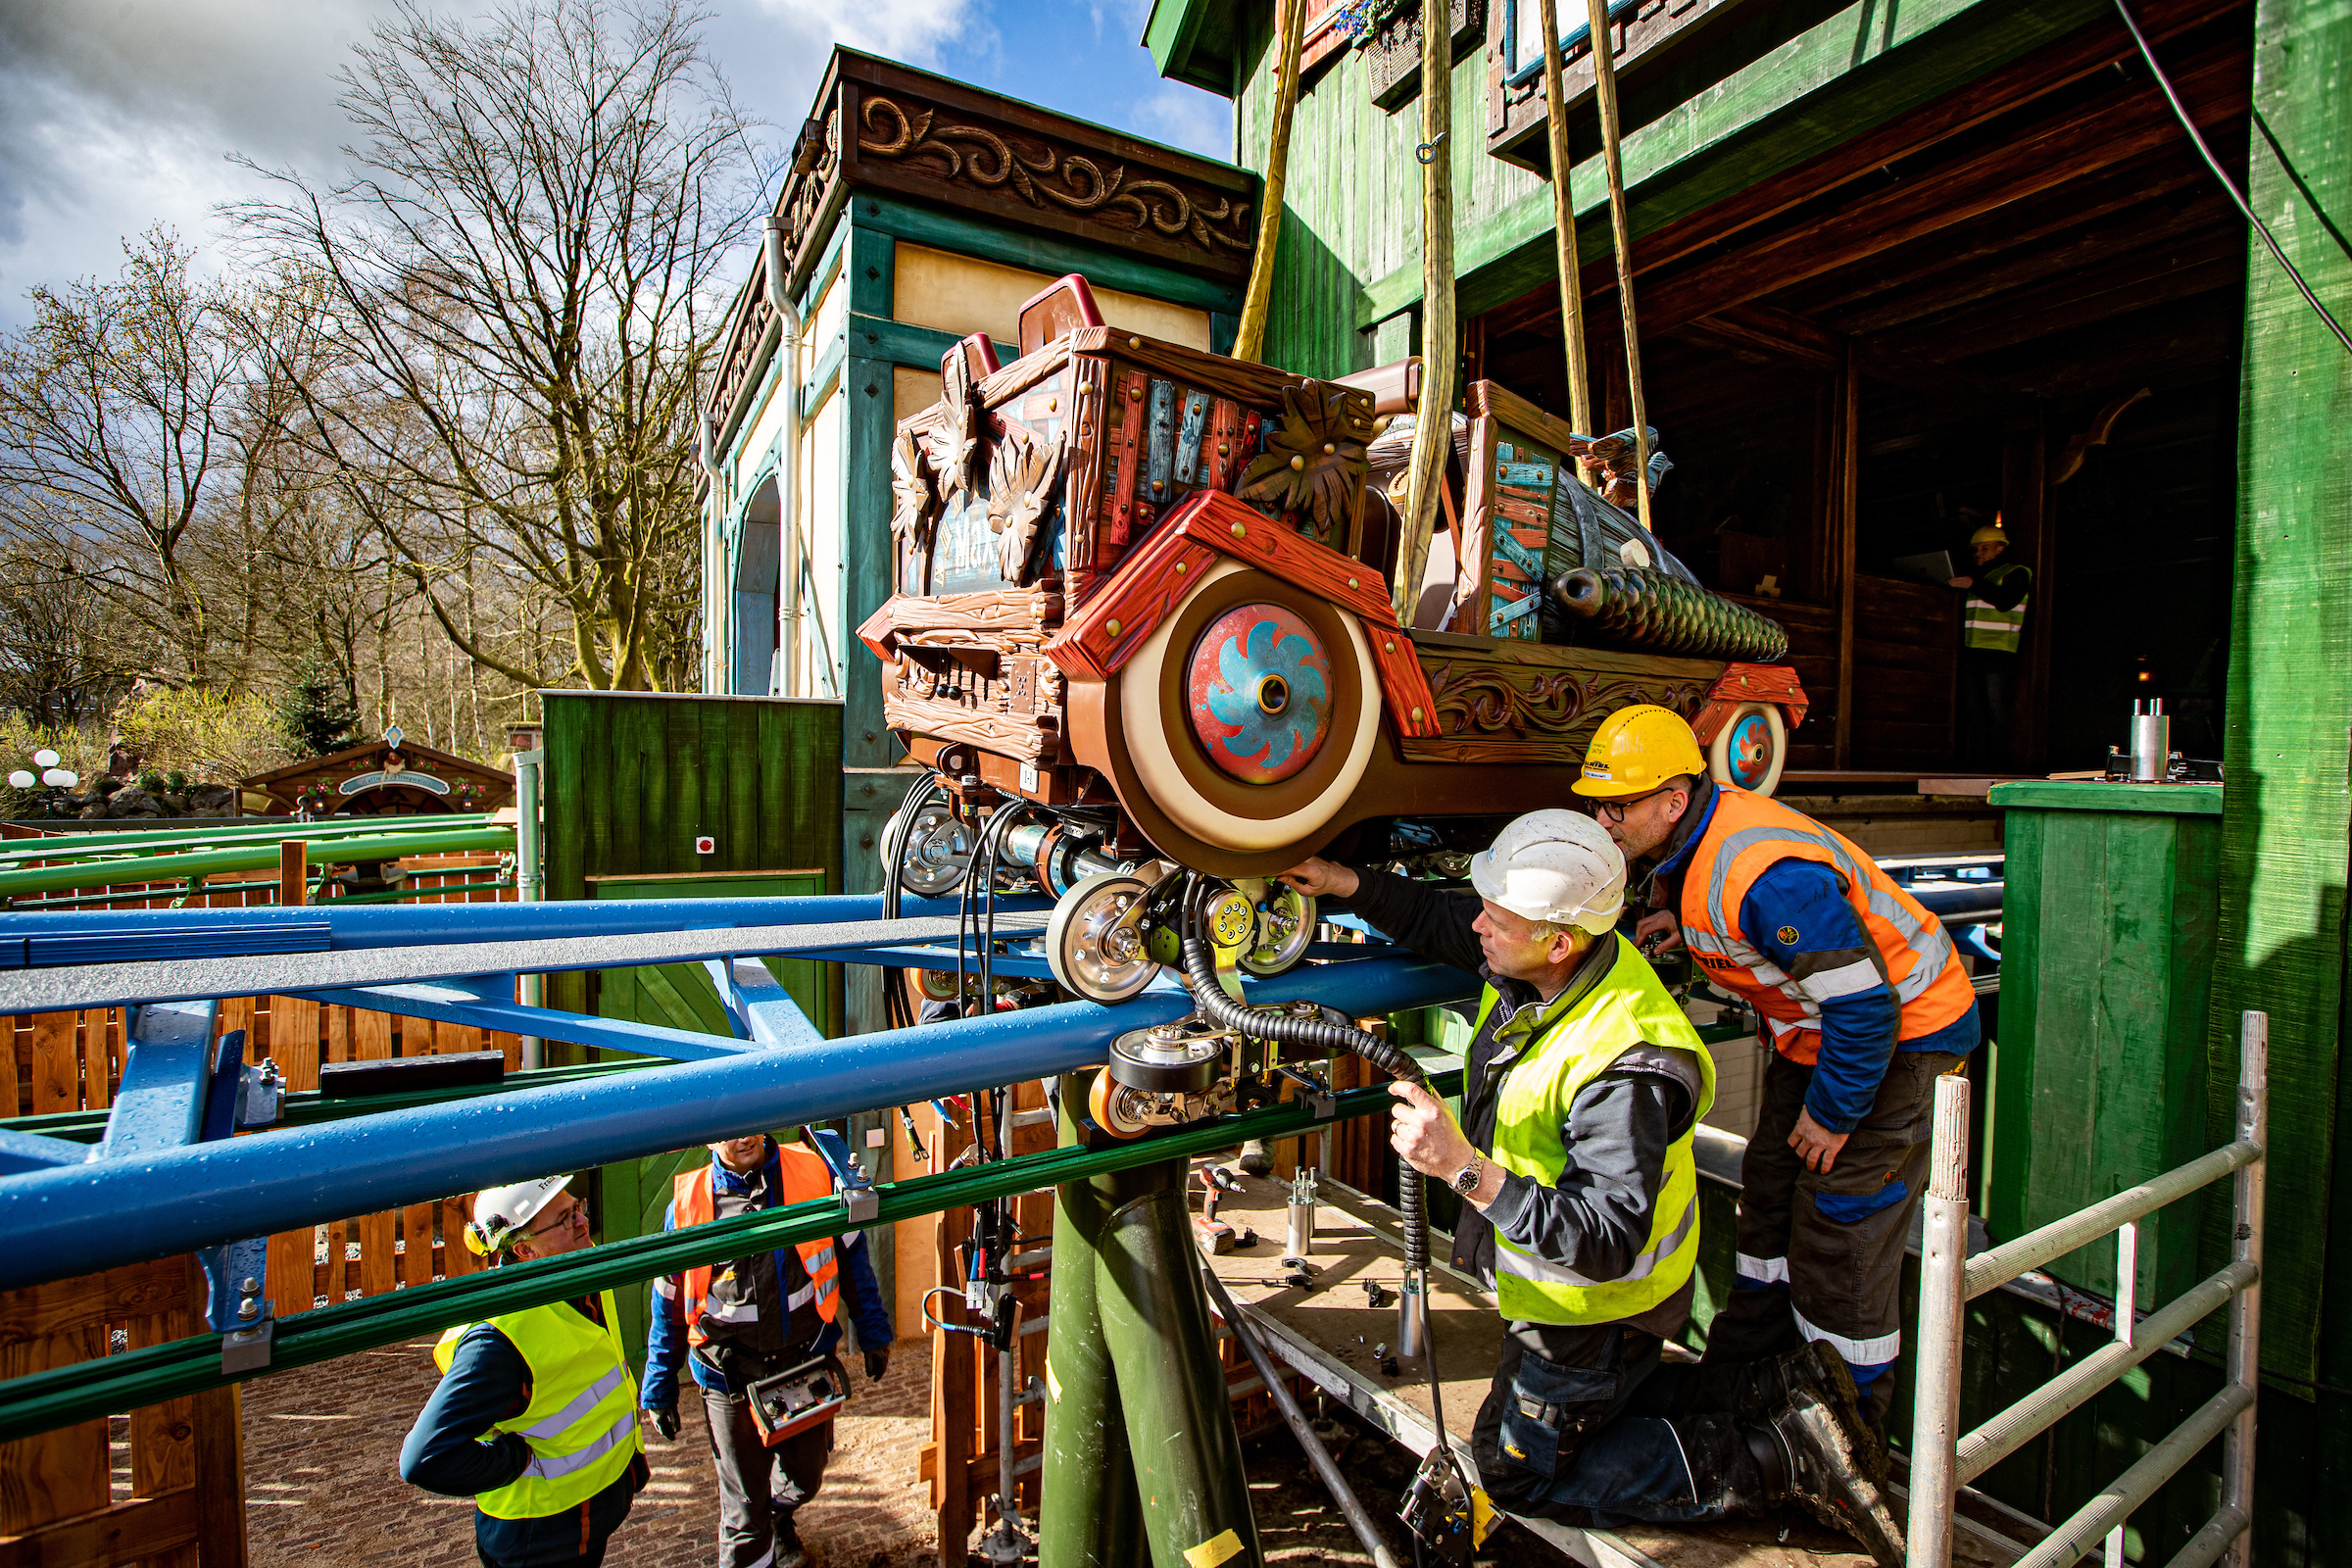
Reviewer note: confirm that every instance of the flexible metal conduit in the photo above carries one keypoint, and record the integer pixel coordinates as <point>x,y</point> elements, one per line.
<point>77,1219</point>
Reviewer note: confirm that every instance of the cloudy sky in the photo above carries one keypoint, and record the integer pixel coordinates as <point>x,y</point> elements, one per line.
<point>119,114</point>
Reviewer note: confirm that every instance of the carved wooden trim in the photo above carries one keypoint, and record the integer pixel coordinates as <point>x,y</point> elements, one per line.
<point>1105,633</point>
<point>991,729</point>
<point>1014,612</point>
<point>1049,177</point>
<point>1741,684</point>
<point>1402,681</point>
<point>1247,534</point>
<point>1492,708</point>
<point>1089,386</point>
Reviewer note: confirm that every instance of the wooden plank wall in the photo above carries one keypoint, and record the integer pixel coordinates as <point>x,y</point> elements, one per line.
<point>180,1501</point>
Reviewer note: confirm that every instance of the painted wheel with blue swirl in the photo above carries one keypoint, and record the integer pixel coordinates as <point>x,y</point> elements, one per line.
<point>1750,749</point>
<point>1258,693</point>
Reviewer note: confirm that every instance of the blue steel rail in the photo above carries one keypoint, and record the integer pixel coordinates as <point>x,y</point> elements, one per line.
<point>167,1179</point>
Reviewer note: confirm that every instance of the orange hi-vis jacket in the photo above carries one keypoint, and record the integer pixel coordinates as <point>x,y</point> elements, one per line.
<point>1749,833</point>
<point>806,1177</point>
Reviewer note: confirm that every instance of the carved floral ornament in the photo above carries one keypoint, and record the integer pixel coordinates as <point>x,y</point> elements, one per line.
<point>1020,485</point>
<point>1474,698</point>
<point>1315,460</point>
<point>1052,178</point>
<point>911,513</point>
<point>956,438</point>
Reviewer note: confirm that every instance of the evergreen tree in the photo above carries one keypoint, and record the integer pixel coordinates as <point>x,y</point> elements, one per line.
<point>318,713</point>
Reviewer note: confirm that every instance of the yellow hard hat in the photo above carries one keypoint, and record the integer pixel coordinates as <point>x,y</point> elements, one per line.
<point>1636,749</point>
<point>1991,534</point>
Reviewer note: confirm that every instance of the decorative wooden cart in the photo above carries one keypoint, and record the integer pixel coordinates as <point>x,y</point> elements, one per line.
<point>1143,598</point>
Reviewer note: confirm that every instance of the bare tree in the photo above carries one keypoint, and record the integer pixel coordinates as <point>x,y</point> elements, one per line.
<point>113,406</point>
<point>519,293</point>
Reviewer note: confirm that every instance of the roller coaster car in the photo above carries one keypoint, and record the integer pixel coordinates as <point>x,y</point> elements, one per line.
<point>1142,622</point>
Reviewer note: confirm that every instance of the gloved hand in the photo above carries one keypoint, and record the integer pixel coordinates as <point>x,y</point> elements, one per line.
<point>665,1418</point>
<point>877,1362</point>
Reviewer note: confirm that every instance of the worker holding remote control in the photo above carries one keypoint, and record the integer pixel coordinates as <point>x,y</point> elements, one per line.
<point>752,1321</point>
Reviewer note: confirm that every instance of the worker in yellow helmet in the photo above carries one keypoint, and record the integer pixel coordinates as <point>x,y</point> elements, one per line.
<point>1992,626</point>
<point>1864,1003</point>
<point>535,1417</point>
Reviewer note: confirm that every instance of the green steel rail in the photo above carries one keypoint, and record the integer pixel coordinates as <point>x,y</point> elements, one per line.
<point>209,862</point>
<point>308,1107</point>
<point>165,841</point>
<point>43,1401</point>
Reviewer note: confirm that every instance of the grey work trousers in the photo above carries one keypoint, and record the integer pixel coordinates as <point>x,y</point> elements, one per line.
<point>753,1506</point>
<point>1820,1257</point>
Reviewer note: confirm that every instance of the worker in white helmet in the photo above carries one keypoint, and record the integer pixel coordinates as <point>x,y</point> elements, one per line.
<point>535,1417</point>
<point>1574,1160</point>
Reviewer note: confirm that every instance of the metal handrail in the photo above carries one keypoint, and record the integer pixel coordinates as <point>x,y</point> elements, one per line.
<point>1943,1460</point>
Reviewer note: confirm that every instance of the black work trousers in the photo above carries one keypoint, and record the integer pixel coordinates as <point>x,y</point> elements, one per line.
<point>1576,1426</point>
<point>759,1487</point>
<point>1820,1257</point>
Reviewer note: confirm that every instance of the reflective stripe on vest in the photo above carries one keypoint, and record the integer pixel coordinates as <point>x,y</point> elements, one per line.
<point>1996,630</point>
<point>1627,1008</point>
<point>806,1177</point>
<point>1749,834</point>
<point>582,1422</point>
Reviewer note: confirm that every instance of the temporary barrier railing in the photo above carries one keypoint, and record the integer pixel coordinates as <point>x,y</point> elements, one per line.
<point>1943,1460</point>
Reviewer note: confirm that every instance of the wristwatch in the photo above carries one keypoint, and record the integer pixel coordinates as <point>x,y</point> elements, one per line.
<point>1466,1180</point>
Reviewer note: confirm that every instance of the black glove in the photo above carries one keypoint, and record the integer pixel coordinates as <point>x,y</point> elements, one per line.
<point>665,1421</point>
<point>877,1362</point>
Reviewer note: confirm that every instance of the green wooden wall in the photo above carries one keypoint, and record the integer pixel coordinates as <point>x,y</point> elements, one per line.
<point>2287,833</point>
<point>1350,243</point>
<point>2106,974</point>
<point>634,777</point>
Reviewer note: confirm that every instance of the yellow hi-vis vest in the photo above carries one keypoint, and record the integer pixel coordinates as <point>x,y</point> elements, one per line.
<point>1628,1008</point>
<point>1996,630</point>
<point>582,1419</point>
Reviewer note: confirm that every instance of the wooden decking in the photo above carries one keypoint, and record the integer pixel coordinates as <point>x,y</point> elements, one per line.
<point>1329,1334</point>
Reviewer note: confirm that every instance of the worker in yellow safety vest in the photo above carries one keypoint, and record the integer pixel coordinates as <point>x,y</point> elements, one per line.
<point>1992,626</point>
<point>1575,1161</point>
<point>1864,1003</point>
<point>535,1417</point>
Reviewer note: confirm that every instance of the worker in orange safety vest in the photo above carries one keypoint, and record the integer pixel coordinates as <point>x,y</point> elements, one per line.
<point>1863,1003</point>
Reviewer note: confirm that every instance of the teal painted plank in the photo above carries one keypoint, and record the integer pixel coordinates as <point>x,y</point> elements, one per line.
<point>868,427</point>
<point>2093,795</point>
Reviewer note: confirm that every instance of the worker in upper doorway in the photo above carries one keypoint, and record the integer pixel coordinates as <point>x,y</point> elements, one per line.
<point>535,1417</point>
<point>1992,624</point>
<point>1575,1161</point>
<point>1865,1003</point>
<point>753,1318</point>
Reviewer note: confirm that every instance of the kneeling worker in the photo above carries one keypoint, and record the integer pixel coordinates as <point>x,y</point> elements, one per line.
<point>1581,1204</point>
<point>535,1418</point>
<point>751,1319</point>
<point>1865,1003</point>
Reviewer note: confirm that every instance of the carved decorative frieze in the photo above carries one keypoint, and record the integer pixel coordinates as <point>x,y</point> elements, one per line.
<point>1496,710</point>
<point>1047,176</point>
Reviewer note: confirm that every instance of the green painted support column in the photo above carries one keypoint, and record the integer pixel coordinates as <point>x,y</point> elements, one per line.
<point>1141,1461</point>
<point>1155,1331</point>
<point>1090,1516</point>
<point>2286,831</point>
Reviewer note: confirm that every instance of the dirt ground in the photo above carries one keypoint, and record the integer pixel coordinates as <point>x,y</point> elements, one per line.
<point>322,1481</point>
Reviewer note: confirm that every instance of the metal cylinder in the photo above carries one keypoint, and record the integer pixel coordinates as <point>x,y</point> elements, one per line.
<point>1942,1316</point>
<point>2151,741</point>
<point>1061,866</point>
<point>1299,1227</point>
<point>1408,1316</point>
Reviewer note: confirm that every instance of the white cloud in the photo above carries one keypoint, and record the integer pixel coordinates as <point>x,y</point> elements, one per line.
<point>1188,117</point>
<point>917,31</point>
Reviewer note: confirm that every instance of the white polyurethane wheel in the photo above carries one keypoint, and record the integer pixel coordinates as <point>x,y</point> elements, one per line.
<point>1081,949</point>
<point>1750,749</point>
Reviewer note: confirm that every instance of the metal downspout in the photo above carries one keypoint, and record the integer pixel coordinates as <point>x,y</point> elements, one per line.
<point>785,680</point>
<point>718,580</point>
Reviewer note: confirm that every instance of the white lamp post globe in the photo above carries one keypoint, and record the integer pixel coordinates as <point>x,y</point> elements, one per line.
<point>19,780</point>
<point>65,778</point>
<point>45,758</point>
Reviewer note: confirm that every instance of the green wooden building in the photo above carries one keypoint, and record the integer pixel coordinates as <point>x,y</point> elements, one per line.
<point>917,210</point>
<point>1900,270</point>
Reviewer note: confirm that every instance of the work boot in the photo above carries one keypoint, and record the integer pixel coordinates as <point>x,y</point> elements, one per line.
<point>1754,1390</point>
<point>789,1551</point>
<point>1817,1458</point>
<point>1256,1159</point>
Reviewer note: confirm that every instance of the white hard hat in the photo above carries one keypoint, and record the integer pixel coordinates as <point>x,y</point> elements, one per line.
<point>1556,867</point>
<point>501,1213</point>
